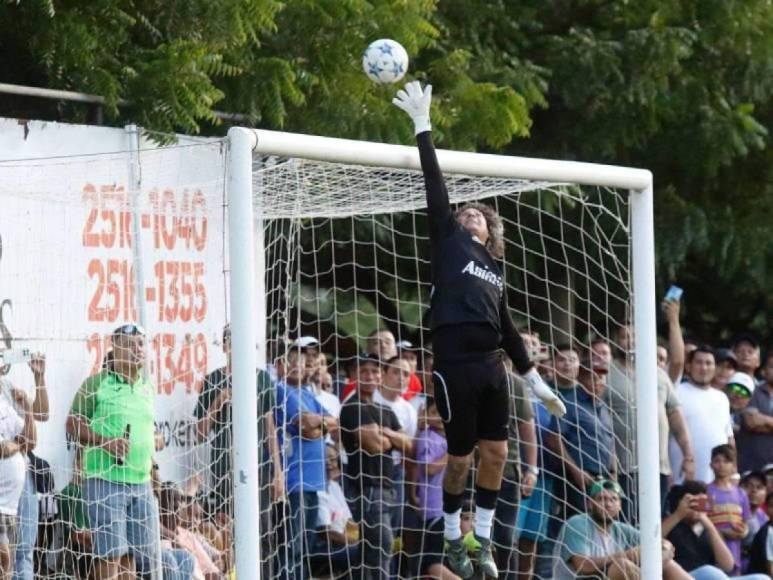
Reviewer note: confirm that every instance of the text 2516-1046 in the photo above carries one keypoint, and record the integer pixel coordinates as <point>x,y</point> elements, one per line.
<point>177,220</point>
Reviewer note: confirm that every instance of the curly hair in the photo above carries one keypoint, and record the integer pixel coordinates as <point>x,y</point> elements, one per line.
<point>496,229</point>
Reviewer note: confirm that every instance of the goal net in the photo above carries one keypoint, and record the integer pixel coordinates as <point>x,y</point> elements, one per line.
<point>347,273</point>
<point>227,258</point>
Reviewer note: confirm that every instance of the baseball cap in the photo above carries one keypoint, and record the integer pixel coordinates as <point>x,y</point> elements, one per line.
<point>305,342</point>
<point>743,380</point>
<point>725,355</point>
<point>404,345</point>
<point>747,475</point>
<point>767,468</point>
<point>605,484</point>
<point>746,337</point>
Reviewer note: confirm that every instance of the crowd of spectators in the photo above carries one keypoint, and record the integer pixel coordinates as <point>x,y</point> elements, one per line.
<point>352,457</point>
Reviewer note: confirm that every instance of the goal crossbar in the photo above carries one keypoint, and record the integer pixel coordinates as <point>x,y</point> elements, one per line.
<point>348,151</point>
<point>248,305</point>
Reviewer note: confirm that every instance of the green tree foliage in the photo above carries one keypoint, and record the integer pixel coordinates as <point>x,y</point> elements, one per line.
<point>681,87</point>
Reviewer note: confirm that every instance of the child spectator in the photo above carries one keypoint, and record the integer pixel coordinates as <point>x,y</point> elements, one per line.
<point>338,534</point>
<point>182,515</point>
<point>75,524</point>
<point>431,458</point>
<point>729,509</point>
<point>753,483</point>
<point>177,561</point>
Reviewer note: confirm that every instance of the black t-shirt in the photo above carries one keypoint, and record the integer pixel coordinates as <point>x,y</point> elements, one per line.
<point>467,284</point>
<point>365,469</point>
<point>221,427</point>
<point>691,551</point>
<point>758,558</point>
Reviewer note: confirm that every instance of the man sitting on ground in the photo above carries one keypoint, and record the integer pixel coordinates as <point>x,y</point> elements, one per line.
<point>596,544</point>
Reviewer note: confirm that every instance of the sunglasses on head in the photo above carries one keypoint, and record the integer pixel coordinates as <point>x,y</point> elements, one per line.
<point>130,330</point>
<point>738,390</point>
<point>605,484</point>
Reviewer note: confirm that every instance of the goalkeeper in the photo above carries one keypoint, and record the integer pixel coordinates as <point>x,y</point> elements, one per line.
<point>470,327</point>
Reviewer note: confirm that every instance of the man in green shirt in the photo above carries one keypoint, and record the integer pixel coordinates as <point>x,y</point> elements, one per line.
<point>112,417</point>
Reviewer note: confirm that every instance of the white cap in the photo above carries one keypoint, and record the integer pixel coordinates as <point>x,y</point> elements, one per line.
<point>744,380</point>
<point>404,345</point>
<point>305,342</point>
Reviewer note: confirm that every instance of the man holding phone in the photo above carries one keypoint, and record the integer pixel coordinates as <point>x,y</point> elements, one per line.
<point>698,545</point>
<point>671,306</point>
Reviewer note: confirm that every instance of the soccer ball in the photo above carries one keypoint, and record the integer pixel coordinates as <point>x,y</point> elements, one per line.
<point>385,61</point>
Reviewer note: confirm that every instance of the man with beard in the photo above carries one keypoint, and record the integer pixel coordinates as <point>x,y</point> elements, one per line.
<point>707,413</point>
<point>596,545</point>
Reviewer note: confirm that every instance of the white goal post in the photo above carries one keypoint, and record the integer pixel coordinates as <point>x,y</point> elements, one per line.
<point>248,307</point>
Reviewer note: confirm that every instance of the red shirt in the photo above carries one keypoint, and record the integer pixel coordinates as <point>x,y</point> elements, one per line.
<point>414,387</point>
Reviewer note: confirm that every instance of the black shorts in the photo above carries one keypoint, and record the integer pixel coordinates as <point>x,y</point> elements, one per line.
<point>473,399</point>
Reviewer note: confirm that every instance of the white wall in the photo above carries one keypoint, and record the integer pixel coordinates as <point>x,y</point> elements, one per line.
<point>65,225</point>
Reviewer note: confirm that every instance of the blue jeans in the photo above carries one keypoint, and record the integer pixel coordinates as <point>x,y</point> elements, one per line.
<point>505,517</point>
<point>713,573</point>
<point>177,564</point>
<point>374,508</point>
<point>27,530</point>
<point>303,526</point>
<point>123,520</point>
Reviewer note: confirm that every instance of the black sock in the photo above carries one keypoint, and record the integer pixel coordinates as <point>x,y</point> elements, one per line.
<point>486,498</point>
<point>452,502</point>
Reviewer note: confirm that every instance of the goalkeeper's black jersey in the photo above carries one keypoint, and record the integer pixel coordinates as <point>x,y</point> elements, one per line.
<point>467,285</point>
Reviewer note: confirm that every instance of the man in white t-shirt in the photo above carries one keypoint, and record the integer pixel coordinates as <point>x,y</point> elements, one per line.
<point>707,413</point>
<point>396,376</point>
<point>397,373</point>
<point>17,436</point>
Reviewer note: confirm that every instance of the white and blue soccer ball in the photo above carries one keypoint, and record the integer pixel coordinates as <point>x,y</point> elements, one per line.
<point>385,61</point>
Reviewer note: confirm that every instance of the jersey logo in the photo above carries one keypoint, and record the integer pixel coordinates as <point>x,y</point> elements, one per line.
<point>483,273</point>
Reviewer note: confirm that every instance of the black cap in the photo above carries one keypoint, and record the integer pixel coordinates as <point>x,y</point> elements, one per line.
<point>747,475</point>
<point>746,337</point>
<point>725,355</point>
<point>367,357</point>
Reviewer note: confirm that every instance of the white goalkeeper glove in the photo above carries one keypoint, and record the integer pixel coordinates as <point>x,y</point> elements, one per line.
<point>415,101</point>
<point>548,397</point>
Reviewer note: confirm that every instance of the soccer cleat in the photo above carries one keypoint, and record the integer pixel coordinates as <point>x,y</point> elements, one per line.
<point>457,559</point>
<point>485,558</point>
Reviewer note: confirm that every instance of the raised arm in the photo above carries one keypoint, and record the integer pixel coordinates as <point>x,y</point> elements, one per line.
<point>675,340</point>
<point>40,405</point>
<point>415,101</point>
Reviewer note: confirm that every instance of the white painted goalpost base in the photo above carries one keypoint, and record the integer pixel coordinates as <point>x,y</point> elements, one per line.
<point>248,305</point>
